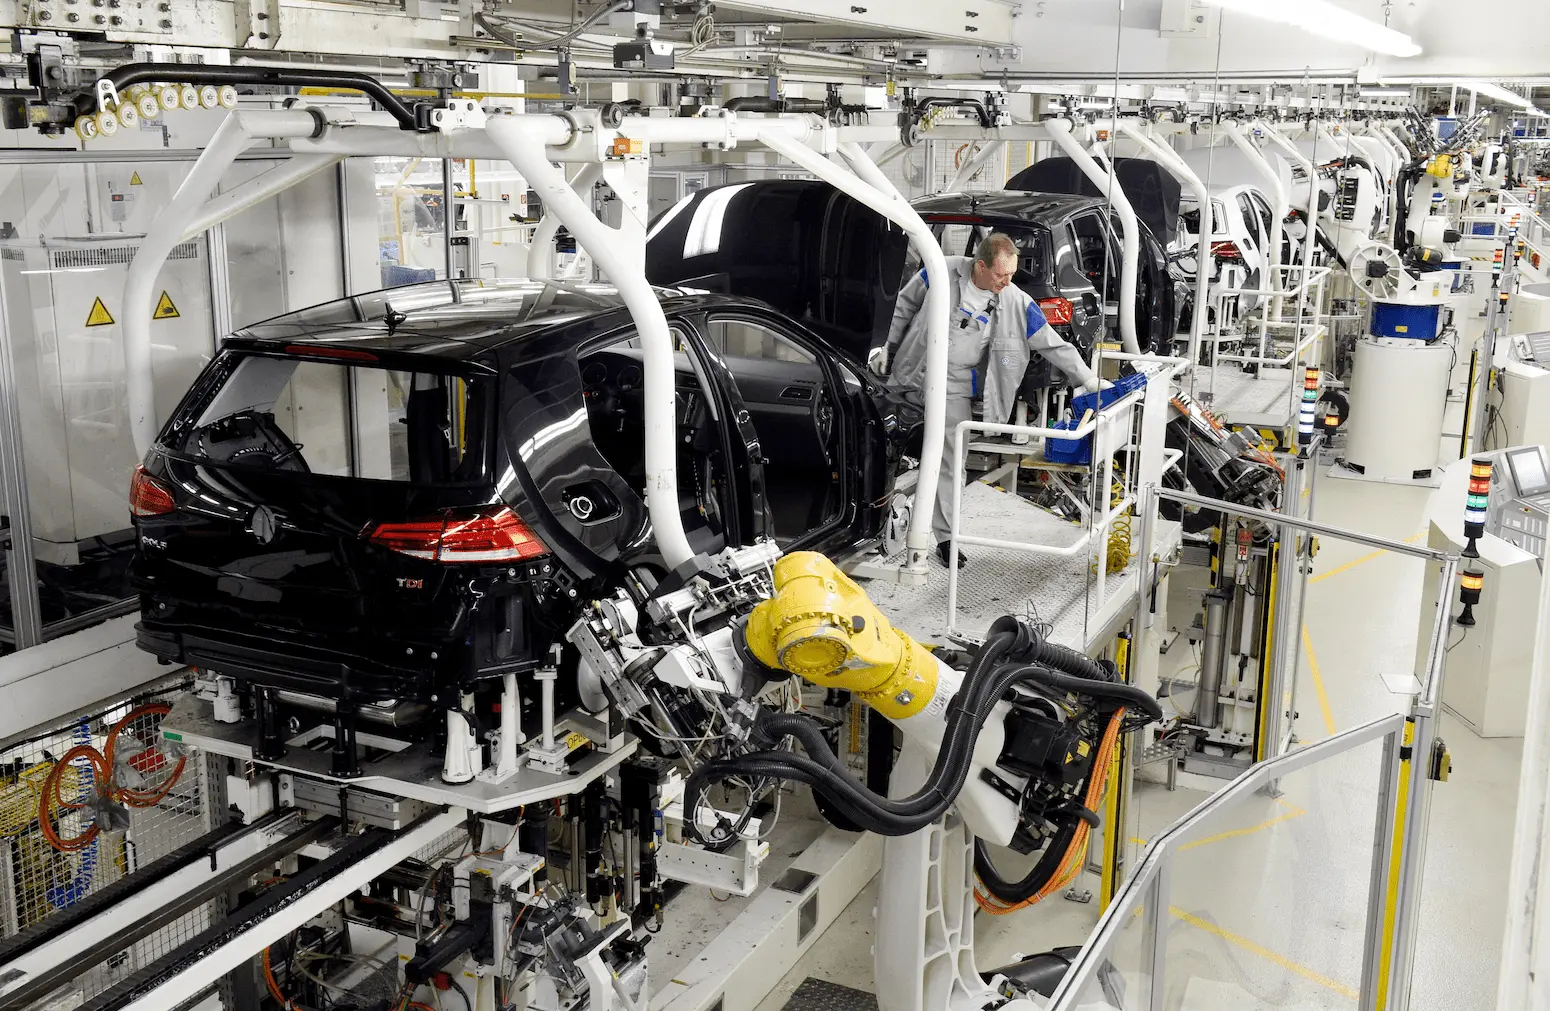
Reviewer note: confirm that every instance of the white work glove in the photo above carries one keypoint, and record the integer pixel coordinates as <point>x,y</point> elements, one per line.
<point>877,361</point>
<point>1095,384</point>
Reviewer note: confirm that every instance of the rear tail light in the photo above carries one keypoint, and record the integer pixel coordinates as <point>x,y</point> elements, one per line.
<point>1057,311</point>
<point>147,496</point>
<point>1226,251</point>
<point>491,535</point>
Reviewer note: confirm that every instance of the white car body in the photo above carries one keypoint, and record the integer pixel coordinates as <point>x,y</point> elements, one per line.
<point>1243,218</point>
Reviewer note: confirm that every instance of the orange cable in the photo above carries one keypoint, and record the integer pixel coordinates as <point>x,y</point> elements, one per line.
<point>1076,851</point>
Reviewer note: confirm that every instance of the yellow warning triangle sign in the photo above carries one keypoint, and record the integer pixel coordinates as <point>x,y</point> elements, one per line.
<point>99,315</point>
<point>164,308</point>
<point>134,180</point>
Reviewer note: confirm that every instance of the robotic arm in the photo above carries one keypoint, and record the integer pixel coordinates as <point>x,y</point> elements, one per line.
<point>1011,739</point>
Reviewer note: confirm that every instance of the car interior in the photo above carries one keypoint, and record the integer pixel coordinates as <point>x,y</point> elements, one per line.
<point>613,383</point>
<point>289,414</point>
<point>790,404</point>
<point>796,416</point>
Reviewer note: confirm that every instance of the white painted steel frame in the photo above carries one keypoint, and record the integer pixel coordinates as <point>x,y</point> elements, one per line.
<point>1115,416</point>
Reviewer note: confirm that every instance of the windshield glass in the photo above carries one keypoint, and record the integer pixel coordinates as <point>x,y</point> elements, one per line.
<point>293,414</point>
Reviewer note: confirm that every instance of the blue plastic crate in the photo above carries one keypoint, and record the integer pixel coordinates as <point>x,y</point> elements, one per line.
<point>1080,451</point>
<point>1084,402</point>
<point>1068,450</point>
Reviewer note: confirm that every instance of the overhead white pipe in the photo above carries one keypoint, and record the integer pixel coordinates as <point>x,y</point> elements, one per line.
<point>523,140</point>
<point>255,191</point>
<point>1060,133</point>
<point>1280,208</point>
<point>1291,150</point>
<point>867,184</point>
<point>540,255</point>
<point>1169,159</point>
<point>968,169</point>
<point>231,138</point>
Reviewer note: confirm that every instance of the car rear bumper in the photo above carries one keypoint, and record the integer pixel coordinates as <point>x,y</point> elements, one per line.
<point>294,666</point>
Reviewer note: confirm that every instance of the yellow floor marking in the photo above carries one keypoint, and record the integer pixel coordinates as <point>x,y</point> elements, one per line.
<point>1348,566</point>
<point>1293,811</point>
<point>1265,953</point>
<point>1318,684</point>
<point>1238,833</point>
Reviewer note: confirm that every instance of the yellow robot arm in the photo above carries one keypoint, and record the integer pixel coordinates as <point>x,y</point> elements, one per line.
<point>821,626</point>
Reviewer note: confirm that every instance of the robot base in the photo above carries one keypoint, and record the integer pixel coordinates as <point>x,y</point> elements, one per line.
<point>388,765</point>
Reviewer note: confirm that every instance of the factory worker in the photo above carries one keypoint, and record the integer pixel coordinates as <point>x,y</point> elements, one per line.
<point>993,327</point>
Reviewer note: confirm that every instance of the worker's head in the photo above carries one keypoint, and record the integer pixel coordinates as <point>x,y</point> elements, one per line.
<point>995,262</point>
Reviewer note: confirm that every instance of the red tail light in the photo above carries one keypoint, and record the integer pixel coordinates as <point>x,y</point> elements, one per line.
<point>491,535</point>
<point>1226,251</point>
<point>1056,310</point>
<point>147,496</point>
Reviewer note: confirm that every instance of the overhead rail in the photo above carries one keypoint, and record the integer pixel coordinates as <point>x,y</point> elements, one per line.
<point>1237,133</point>
<point>1061,132</point>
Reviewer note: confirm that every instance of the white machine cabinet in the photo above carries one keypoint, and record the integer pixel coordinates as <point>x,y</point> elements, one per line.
<point>1486,683</point>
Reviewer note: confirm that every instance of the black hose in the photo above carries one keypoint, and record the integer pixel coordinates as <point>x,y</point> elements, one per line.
<point>1014,893</point>
<point>758,103</point>
<point>986,682</point>
<point>823,771</point>
<point>290,77</point>
<point>1118,692</point>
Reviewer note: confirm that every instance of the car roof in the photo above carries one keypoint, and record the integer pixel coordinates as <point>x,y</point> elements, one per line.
<point>1022,204</point>
<point>454,319</point>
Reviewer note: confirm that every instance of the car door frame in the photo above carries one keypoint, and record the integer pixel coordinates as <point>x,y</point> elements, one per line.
<point>743,500</point>
<point>854,413</point>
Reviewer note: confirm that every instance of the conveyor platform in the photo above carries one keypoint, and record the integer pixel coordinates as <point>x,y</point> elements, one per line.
<point>1058,590</point>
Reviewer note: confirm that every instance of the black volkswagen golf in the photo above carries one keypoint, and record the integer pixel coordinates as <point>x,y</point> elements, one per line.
<point>397,493</point>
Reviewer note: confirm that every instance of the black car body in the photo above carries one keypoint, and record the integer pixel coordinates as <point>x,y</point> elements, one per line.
<point>393,494</point>
<point>825,258</point>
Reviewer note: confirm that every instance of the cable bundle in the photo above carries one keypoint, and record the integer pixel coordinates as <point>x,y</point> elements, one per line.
<point>103,763</point>
<point>998,896</point>
<point>1013,655</point>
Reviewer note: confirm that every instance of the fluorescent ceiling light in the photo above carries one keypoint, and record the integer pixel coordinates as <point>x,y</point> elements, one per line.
<point>1328,21</point>
<point>1384,92</point>
<point>1497,93</point>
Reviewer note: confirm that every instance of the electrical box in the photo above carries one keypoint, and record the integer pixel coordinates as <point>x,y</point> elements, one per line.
<point>65,300</point>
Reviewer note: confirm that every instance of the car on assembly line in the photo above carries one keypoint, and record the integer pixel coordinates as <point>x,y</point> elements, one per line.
<point>1240,253</point>
<point>822,257</point>
<point>402,495</point>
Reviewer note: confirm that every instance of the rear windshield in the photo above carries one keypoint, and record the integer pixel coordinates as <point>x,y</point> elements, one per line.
<point>337,420</point>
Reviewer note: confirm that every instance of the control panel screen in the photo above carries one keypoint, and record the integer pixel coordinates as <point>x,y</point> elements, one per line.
<point>1528,471</point>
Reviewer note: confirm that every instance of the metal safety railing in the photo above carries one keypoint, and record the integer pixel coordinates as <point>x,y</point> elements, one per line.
<point>1112,430</point>
<point>1127,962</point>
<point>1142,914</point>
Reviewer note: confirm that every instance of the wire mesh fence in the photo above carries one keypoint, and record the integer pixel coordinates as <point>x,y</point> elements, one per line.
<point>88,802</point>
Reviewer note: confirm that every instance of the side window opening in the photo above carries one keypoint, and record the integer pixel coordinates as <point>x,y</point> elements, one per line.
<point>613,385</point>
<point>334,420</point>
<point>795,414</point>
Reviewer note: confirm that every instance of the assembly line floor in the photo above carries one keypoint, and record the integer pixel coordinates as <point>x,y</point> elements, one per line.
<point>1060,591</point>
<point>1267,912</point>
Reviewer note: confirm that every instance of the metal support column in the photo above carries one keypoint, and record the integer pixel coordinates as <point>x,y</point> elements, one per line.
<point>1423,713</point>
<point>16,541</point>
<point>1496,322</point>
